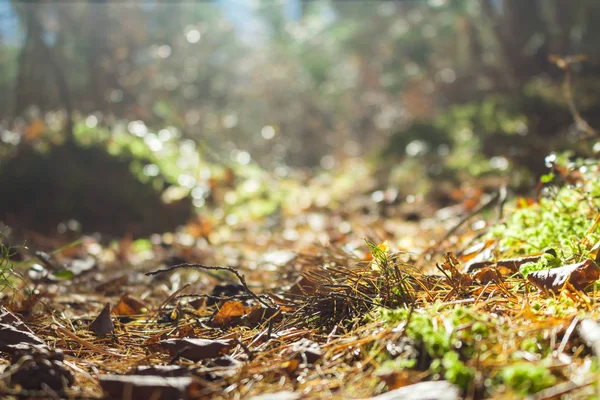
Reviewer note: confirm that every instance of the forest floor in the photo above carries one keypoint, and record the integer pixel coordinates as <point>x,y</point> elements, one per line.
<point>492,297</point>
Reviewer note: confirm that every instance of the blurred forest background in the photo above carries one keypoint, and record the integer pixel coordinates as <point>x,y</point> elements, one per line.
<point>238,93</point>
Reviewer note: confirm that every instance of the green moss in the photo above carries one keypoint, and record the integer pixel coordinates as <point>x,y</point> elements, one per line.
<point>447,337</point>
<point>527,378</point>
<point>456,371</point>
<point>561,220</point>
<point>546,261</point>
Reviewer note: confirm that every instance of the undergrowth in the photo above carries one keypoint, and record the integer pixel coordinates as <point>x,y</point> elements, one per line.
<point>563,223</point>
<point>5,267</point>
<point>480,352</point>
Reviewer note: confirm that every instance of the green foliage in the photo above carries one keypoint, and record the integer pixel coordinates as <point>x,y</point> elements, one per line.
<point>527,378</point>
<point>430,136</point>
<point>561,220</point>
<point>5,266</point>
<point>447,346</point>
<point>453,369</point>
<point>546,261</point>
<point>65,274</point>
<point>394,283</point>
<point>71,181</point>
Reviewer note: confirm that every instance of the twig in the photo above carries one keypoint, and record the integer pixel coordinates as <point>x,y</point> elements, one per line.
<point>59,74</point>
<point>217,298</point>
<point>245,348</point>
<point>470,215</point>
<point>214,268</point>
<point>565,65</point>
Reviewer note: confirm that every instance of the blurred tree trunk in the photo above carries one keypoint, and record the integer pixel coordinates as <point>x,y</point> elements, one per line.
<point>96,52</point>
<point>35,46</point>
<point>22,94</point>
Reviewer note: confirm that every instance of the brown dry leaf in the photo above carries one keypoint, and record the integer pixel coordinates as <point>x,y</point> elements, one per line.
<point>579,275</point>
<point>15,335</point>
<point>195,349</point>
<point>487,275</point>
<point>129,306</point>
<point>231,312</point>
<point>258,314</point>
<point>449,267</point>
<point>103,324</point>
<point>143,387</point>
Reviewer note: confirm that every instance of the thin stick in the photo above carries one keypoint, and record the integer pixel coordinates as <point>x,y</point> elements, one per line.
<point>214,268</point>
<point>470,215</point>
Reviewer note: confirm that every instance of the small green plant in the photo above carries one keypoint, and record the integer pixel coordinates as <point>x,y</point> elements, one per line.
<point>527,378</point>
<point>5,267</point>
<point>394,282</point>
<point>448,338</point>
<point>546,261</point>
<point>454,369</point>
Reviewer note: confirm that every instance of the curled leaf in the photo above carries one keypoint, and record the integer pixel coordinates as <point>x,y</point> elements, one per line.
<point>103,324</point>
<point>579,275</point>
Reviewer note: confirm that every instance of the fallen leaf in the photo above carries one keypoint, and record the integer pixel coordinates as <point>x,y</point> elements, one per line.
<point>129,306</point>
<point>15,335</point>
<point>579,275</point>
<point>231,312</point>
<point>161,370</point>
<point>487,275</point>
<point>258,314</point>
<point>195,349</point>
<point>143,387</point>
<point>103,324</point>
<point>449,268</point>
